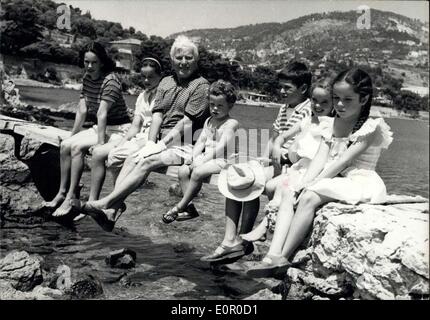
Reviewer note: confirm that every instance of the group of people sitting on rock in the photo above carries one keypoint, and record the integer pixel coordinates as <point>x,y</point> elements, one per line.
<point>326,150</point>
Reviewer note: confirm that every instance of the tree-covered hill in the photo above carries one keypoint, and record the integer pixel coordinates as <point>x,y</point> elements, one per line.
<point>317,34</point>
<point>247,55</point>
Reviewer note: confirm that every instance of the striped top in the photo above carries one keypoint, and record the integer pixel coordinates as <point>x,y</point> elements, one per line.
<point>106,88</point>
<point>176,99</point>
<point>284,123</point>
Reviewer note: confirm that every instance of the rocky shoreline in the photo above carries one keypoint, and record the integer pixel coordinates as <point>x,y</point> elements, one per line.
<point>354,252</point>
<point>376,111</point>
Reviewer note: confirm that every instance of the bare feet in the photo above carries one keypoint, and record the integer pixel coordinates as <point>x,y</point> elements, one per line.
<point>65,208</point>
<point>54,203</point>
<point>258,234</point>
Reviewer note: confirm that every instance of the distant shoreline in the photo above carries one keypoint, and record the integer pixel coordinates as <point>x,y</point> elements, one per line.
<point>376,111</point>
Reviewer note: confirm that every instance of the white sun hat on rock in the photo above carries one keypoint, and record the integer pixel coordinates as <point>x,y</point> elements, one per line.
<point>242,181</point>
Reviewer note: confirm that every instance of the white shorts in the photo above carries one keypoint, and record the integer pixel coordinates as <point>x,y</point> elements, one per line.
<point>117,156</point>
<point>115,132</point>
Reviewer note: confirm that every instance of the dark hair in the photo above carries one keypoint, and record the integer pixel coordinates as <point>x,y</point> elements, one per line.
<point>298,73</point>
<point>225,88</point>
<point>153,63</point>
<point>361,84</point>
<point>108,65</point>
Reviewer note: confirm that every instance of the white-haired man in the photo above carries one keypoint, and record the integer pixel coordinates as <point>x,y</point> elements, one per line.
<point>180,109</point>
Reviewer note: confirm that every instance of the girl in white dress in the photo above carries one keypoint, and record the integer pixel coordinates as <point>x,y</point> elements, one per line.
<point>301,153</point>
<point>342,170</point>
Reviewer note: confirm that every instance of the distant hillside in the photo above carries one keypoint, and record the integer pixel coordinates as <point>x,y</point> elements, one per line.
<point>312,36</point>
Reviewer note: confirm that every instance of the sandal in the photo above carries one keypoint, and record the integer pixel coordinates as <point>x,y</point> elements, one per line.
<point>189,213</point>
<point>171,215</point>
<point>269,266</point>
<point>100,217</point>
<point>224,252</point>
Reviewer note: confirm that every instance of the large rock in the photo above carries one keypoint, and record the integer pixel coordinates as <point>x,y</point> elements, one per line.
<point>86,287</point>
<point>21,270</point>
<point>365,252</point>
<point>17,192</point>
<point>264,294</point>
<point>7,292</point>
<point>122,258</point>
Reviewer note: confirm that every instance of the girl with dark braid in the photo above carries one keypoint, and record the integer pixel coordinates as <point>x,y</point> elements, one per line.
<point>342,170</point>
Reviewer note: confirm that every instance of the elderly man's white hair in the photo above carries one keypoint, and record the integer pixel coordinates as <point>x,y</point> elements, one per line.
<point>182,42</point>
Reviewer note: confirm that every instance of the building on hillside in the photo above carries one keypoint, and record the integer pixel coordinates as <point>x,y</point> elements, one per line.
<point>64,39</point>
<point>417,54</point>
<point>125,49</point>
<point>252,98</point>
<point>421,91</point>
<point>196,39</point>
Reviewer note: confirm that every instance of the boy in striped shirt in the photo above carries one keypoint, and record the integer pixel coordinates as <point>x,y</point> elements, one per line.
<point>295,82</point>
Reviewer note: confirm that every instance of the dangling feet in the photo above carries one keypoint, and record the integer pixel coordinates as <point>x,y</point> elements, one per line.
<point>270,266</point>
<point>189,213</point>
<point>258,234</point>
<point>176,214</point>
<point>105,218</point>
<point>54,203</point>
<point>171,215</point>
<point>66,207</point>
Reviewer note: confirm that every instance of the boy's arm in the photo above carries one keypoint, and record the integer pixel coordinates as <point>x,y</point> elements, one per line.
<point>228,134</point>
<point>281,139</point>
<point>199,146</point>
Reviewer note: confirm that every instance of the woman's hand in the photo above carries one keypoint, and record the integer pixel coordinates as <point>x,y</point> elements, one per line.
<point>149,149</point>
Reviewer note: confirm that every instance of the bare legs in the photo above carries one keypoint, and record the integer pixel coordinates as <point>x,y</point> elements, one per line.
<point>273,191</point>
<point>233,210</point>
<point>283,222</point>
<point>72,151</point>
<point>191,182</point>
<point>98,169</point>
<point>130,178</point>
<point>302,221</point>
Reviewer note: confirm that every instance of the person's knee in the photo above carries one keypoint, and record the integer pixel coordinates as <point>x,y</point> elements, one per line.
<point>76,149</point>
<point>128,161</point>
<point>198,174</point>
<point>147,164</point>
<point>286,193</point>
<point>183,172</point>
<point>65,147</point>
<point>98,155</point>
<point>310,200</point>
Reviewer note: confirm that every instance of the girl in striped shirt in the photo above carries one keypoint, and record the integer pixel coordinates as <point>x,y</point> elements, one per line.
<point>101,102</point>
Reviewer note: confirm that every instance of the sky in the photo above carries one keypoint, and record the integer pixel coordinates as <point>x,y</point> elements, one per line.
<point>165,17</point>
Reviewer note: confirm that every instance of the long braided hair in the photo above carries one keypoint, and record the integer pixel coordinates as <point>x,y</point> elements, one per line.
<point>362,84</point>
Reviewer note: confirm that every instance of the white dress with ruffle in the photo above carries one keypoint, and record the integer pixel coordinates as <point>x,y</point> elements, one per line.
<point>305,147</point>
<point>359,182</point>
<point>301,153</point>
